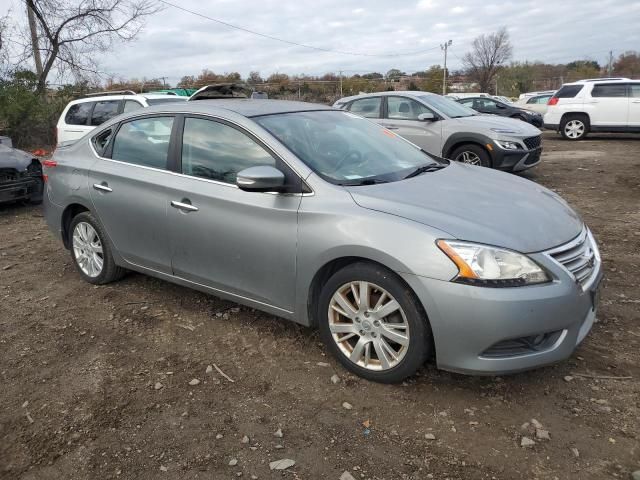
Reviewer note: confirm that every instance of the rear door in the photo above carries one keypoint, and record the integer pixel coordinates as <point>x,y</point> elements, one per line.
<point>238,242</point>
<point>128,184</point>
<point>609,105</point>
<point>634,106</point>
<point>401,116</point>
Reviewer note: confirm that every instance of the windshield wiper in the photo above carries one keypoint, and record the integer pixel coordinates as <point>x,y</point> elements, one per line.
<point>432,167</point>
<point>364,181</point>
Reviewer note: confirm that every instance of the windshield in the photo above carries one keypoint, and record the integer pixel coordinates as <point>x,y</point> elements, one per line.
<point>450,108</point>
<point>166,99</point>
<point>344,148</point>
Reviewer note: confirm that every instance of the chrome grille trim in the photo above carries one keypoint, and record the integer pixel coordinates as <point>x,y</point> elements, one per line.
<point>579,257</point>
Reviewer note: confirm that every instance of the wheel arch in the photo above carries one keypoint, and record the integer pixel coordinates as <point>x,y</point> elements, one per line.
<point>457,140</point>
<point>68,215</point>
<point>581,114</point>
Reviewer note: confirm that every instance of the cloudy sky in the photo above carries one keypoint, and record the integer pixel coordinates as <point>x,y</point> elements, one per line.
<point>403,34</point>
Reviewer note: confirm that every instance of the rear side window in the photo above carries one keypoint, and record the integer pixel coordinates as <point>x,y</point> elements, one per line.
<point>101,141</point>
<point>634,90</point>
<point>144,142</point>
<point>367,107</point>
<point>539,100</point>
<point>216,151</point>
<point>401,108</point>
<point>104,111</point>
<point>568,91</point>
<point>611,90</point>
<point>78,114</point>
<point>131,105</point>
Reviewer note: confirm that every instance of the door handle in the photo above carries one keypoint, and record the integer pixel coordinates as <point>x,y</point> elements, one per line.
<point>184,206</point>
<point>392,128</point>
<point>635,101</point>
<point>102,187</point>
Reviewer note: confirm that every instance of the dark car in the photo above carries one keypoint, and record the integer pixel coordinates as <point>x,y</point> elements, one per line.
<point>20,175</point>
<point>495,107</point>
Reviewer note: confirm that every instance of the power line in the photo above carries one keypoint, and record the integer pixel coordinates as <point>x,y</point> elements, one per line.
<point>289,42</point>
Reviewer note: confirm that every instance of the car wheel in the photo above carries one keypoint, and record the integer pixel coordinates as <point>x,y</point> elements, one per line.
<point>574,127</point>
<point>472,154</point>
<point>373,323</point>
<point>91,252</point>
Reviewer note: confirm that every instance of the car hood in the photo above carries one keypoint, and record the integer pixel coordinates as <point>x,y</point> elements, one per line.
<point>478,204</point>
<point>487,122</point>
<point>14,158</point>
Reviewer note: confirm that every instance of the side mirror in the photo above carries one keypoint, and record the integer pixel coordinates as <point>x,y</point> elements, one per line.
<point>501,106</point>
<point>427,117</point>
<point>263,178</point>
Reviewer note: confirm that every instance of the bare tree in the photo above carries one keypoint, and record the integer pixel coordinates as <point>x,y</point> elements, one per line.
<point>74,32</point>
<point>487,54</point>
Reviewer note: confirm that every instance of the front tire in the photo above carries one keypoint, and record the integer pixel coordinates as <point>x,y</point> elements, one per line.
<point>472,155</point>
<point>91,251</point>
<point>574,127</point>
<point>373,324</point>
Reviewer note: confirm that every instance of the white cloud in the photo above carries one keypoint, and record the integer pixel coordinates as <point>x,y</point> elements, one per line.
<point>427,4</point>
<point>458,9</point>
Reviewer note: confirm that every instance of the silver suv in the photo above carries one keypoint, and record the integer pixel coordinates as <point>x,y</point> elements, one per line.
<point>323,217</point>
<point>444,128</point>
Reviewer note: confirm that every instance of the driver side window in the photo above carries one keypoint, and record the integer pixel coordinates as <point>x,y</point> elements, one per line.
<point>216,151</point>
<point>403,108</point>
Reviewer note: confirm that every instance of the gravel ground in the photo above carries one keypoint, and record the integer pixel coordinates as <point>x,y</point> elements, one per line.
<point>119,381</point>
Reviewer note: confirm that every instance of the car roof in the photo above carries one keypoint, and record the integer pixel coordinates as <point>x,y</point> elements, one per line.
<point>247,107</point>
<point>388,93</point>
<point>595,81</point>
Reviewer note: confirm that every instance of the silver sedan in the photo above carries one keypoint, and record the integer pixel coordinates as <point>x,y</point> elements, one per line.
<point>327,219</point>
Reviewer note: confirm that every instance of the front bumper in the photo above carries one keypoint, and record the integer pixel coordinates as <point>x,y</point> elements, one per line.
<point>515,160</point>
<point>24,188</point>
<point>468,321</point>
<point>552,126</point>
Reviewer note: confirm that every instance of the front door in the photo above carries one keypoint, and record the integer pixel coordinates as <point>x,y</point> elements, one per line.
<point>634,106</point>
<point>402,118</point>
<point>129,192</point>
<point>242,243</point>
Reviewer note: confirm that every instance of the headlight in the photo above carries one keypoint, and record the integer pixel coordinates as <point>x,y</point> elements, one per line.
<point>507,145</point>
<point>487,266</point>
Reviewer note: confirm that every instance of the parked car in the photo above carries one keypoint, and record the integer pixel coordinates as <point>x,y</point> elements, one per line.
<point>83,115</point>
<point>457,96</point>
<point>495,107</point>
<point>595,105</point>
<point>502,99</point>
<point>536,103</point>
<point>325,218</point>
<point>20,175</point>
<point>535,94</point>
<point>448,129</point>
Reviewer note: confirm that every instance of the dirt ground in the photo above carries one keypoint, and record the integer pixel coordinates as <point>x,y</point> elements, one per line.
<point>95,381</point>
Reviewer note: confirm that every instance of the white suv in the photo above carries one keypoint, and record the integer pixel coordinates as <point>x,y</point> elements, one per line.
<point>83,115</point>
<point>595,105</point>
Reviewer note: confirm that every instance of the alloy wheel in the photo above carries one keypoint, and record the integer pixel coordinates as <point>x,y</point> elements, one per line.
<point>368,325</point>
<point>574,129</point>
<point>469,158</point>
<point>87,249</point>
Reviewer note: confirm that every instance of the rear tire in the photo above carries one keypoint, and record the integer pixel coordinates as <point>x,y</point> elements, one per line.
<point>91,251</point>
<point>385,336</point>
<point>574,127</point>
<point>471,154</point>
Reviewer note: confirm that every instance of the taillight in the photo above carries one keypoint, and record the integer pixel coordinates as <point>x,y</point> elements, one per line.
<point>553,101</point>
<point>49,163</point>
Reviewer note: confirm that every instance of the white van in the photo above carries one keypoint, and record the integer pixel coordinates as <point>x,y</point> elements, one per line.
<point>83,115</point>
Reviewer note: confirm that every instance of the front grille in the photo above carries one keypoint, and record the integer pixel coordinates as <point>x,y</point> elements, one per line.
<point>578,257</point>
<point>533,142</point>
<point>8,175</point>
<point>534,157</point>
<point>522,345</point>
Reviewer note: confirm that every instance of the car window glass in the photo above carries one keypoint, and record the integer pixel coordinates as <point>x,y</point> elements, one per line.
<point>78,114</point>
<point>218,152</point>
<point>367,107</point>
<point>131,105</point>
<point>609,90</point>
<point>635,90</point>
<point>101,141</point>
<point>402,108</point>
<point>568,91</point>
<point>144,142</point>
<point>104,111</point>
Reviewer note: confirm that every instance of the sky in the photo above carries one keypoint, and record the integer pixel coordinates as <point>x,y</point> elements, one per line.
<point>403,34</point>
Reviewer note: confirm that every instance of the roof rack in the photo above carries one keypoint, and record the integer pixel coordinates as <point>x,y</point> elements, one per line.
<point>606,79</point>
<point>111,92</point>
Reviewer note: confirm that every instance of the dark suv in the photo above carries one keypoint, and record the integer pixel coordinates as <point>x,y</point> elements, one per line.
<point>20,174</point>
<point>495,107</point>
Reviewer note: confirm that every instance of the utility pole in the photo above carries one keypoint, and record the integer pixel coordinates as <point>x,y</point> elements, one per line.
<point>445,46</point>
<point>610,70</point>
<point>340,83</point>
<point>34,40</point>
<point>164,83</point>
<point>497,76</point>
